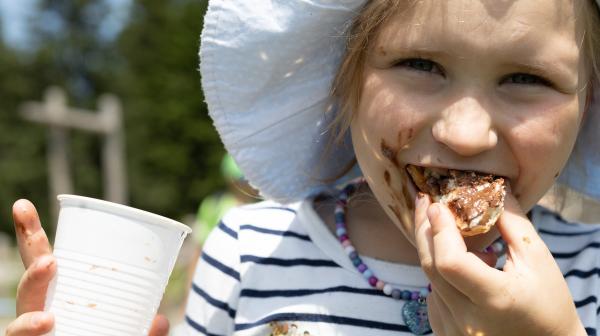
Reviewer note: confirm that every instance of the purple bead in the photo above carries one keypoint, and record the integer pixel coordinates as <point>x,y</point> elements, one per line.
<point>372,281</point>
<point>429,288</point>
<point>362,268</point>
<point>405,295</point>
<point>396,294</point>
<point>414,296</point>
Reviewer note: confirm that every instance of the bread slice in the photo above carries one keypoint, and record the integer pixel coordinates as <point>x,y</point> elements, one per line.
<point>476,200</point>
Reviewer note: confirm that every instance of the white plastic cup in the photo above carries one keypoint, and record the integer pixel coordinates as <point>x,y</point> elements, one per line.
<point>114,263</point>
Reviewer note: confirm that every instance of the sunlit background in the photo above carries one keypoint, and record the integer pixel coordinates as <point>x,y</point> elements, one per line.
<point>145,53</point>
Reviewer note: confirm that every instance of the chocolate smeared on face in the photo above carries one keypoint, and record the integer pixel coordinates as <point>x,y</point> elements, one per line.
<point>389,152</point>
<point>477,200</point>
<point>387,178</point>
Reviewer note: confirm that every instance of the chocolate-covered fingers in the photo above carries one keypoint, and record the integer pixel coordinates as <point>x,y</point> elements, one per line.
<point>31,238</point>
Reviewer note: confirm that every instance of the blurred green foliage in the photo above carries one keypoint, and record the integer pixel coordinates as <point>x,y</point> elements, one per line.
<point>172,149</point>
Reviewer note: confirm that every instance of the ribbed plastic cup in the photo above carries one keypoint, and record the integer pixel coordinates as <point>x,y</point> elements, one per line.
<point>114,263</point>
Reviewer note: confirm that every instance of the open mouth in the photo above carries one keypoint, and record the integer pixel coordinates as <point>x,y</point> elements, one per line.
<point>476,199</point>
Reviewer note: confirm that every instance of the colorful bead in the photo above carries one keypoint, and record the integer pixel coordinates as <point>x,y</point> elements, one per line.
<point>343,237</point>
<point>362,268</point>
<point>424,292</point>
<point>353,255</point>
<point>387,289</point>
<point>379,285</point>
<point>405,295</point>
<point>349,249</point>
<point>368,273</point>
<point>356,262</point>
<point>396,294</point>
<point>346,243</point>
<point>414,296</point>
<point>497,247</point>
<point>373,281</point>
<point>429,288</point>
<point>339,217</point>
<point>340,231</point>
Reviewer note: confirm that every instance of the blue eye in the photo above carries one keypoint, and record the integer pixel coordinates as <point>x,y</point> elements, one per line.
<point>526,79</point>
<point>420,64</point>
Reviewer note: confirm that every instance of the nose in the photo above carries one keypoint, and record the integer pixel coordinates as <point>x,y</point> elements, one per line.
<point>465,127</point>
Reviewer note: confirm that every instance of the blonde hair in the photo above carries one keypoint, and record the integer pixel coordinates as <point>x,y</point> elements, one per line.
<point>347,85</point>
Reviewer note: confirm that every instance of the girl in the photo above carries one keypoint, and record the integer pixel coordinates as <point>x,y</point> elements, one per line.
<point>498,87</point>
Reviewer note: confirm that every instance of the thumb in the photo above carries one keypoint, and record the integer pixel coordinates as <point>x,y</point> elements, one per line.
<point>517,231</point>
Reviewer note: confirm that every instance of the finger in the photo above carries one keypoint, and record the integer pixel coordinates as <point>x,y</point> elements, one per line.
<point>462,269</point>
<point>31,324</point>
<point>516,229</point>
<point>423,238</point>
<point>160,326</point>
<point>423,234</point>
<point>31,237</point>
<point>441,319</point>
<point>451,321</point>
<point>436,320</point>
<point>32,289</point>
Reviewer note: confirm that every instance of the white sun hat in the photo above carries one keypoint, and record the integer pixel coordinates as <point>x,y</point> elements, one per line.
<point>267,68</point>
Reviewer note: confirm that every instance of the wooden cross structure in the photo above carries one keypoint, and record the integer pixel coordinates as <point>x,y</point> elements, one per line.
<point>107,122</point>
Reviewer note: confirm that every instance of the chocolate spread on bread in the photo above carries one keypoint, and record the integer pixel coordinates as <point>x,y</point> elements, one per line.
<point>477,200</point>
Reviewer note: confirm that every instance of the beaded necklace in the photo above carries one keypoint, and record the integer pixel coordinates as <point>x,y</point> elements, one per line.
<point>414,311</point>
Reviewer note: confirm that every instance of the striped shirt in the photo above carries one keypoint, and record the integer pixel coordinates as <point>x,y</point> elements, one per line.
<point>269,269</point>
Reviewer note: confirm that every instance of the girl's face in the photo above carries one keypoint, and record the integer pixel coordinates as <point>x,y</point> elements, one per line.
<point>490,86</point>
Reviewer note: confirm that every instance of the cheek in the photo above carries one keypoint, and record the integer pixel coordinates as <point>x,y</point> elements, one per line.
<point>377,141</point>
<point>542,146</point>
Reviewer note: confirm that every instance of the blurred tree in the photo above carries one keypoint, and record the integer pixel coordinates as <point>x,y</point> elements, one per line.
<point>22,147</point>
<point>172,149</point>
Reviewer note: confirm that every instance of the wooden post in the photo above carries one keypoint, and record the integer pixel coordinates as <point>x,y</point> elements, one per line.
<point>114,173</point>
<point>55,113</point>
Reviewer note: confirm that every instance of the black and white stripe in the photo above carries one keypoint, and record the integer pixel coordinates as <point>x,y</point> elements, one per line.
<point>261,266</point>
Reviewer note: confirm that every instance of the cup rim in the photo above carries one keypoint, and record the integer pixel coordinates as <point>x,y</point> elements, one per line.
<point>120,209</point>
